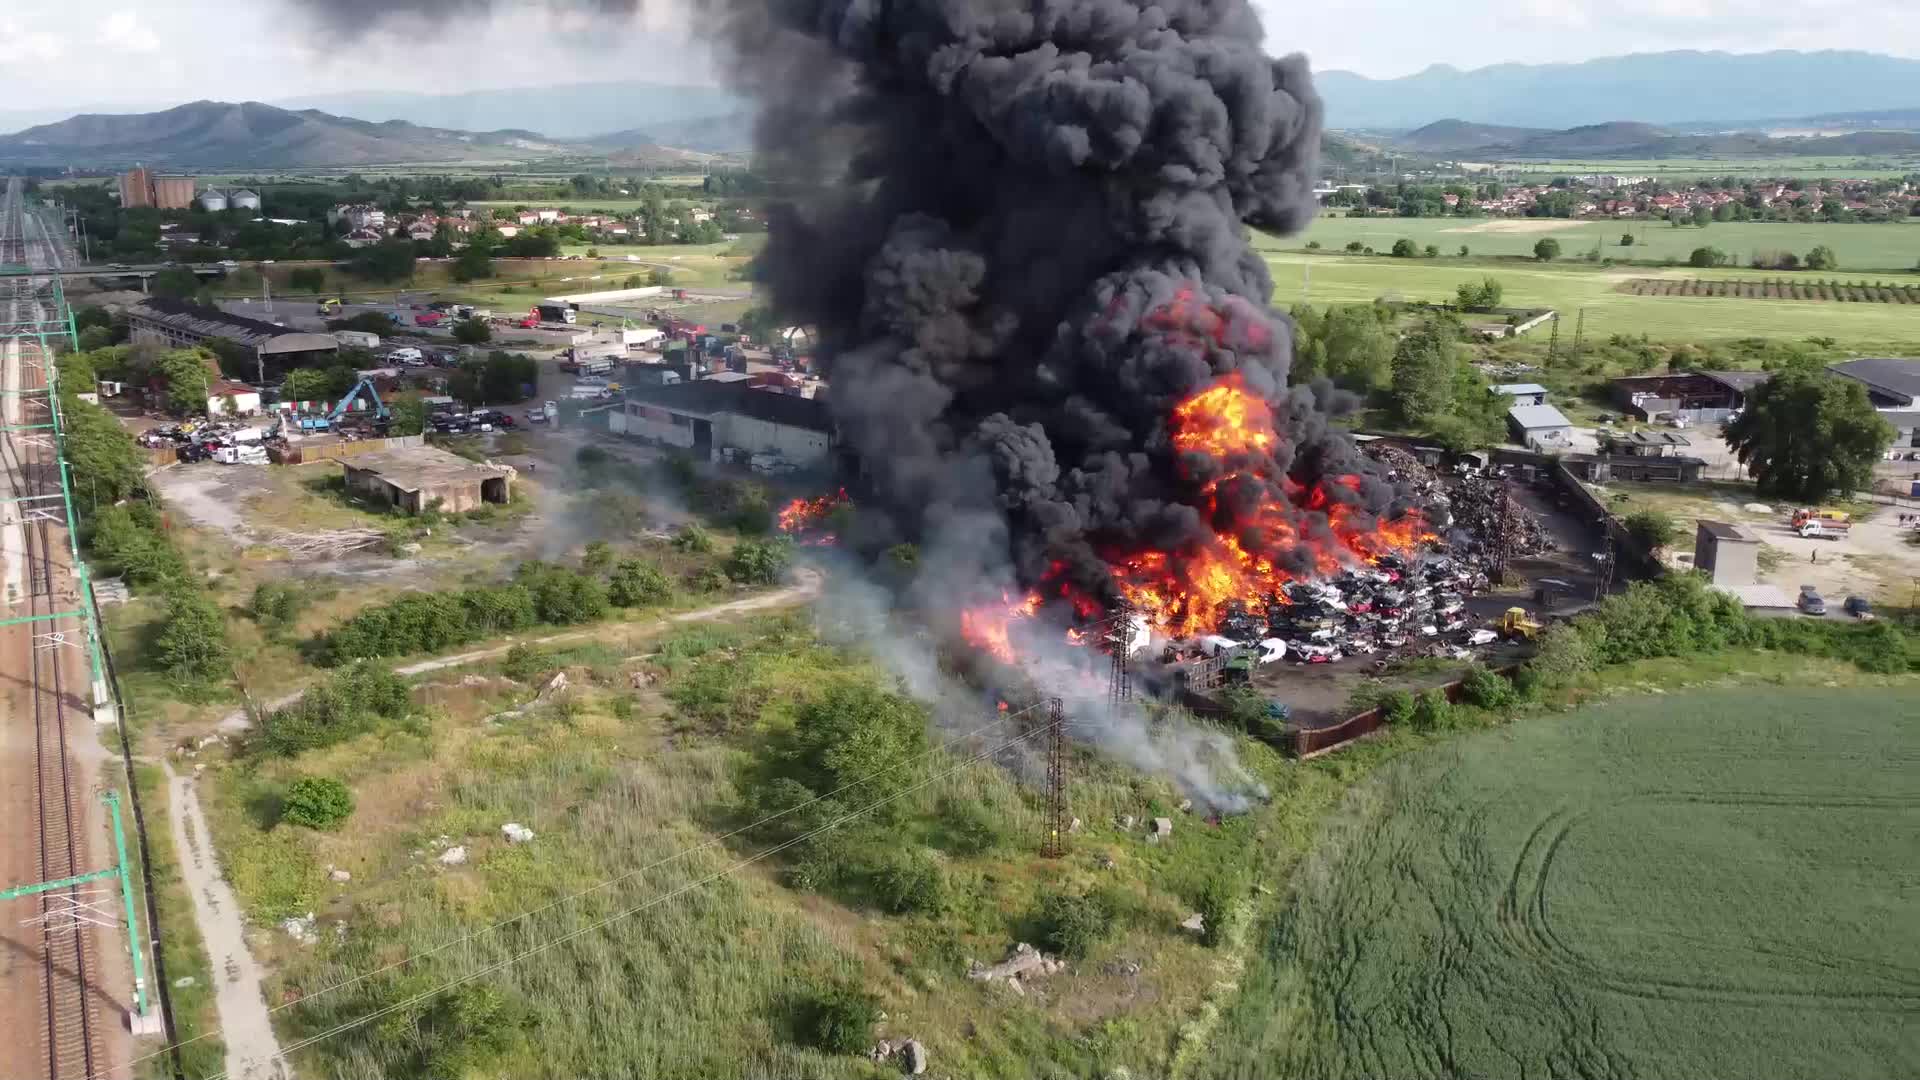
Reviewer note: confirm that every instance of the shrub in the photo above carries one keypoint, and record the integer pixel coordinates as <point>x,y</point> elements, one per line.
<point>707,579</point>
<point>839,1020</point>
<point>346,705</point>
<point>1652,529</point>
<point>636,584</point>
<point>760,562</point>
<point>1431,711</point>
<point>968,828</point>
<point>1396,707</point>
<point>192,646</point>
<point>693,540</point>
<point>524,663</point>
<point>1487,689</point>
<point>1564,654</point>
<point>909,883</point>
<point>277,605</point>
<point>1072,925</point>
<point>1219,905</point>
<point>1404,249</point>
<point>317,802</point>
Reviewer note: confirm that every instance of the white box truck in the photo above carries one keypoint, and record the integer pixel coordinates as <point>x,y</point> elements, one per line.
<point>357,339</point>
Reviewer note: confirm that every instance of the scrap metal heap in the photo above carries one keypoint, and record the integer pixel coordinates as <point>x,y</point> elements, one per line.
<point>1413,604</point>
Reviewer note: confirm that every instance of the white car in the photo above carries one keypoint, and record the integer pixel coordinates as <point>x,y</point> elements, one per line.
<point>407,356</point>
<point>1482,637</point>
<point>1271,649</point>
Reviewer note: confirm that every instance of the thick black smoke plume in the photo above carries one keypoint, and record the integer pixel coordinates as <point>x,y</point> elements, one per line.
<point>1023,240</point>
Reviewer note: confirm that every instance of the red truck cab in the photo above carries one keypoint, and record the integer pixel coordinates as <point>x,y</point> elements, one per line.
<point>431,318</point>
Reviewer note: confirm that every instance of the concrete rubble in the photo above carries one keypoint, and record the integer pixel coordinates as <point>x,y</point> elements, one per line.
<point>516,833</point>
<point>1195,922</point>
<point>454,856</point>
<point>1162,829</point>
<point>1024,962</point>
<point>301,928</point>
<point>913,1058</point>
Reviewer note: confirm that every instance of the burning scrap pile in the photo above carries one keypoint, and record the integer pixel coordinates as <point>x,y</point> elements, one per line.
<point>811,521</point>
<point>1047,334</point>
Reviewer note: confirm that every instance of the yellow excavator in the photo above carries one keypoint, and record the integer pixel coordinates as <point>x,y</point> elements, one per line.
<point>1516,623</point>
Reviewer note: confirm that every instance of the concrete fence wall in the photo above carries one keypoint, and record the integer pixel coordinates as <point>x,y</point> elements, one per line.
<point>300,455</point>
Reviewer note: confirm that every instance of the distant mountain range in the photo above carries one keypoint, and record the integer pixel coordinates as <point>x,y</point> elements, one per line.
<point>1731,90</point>
<point>215,134</point>
<point>1630,141</point>
<point>576,111</point>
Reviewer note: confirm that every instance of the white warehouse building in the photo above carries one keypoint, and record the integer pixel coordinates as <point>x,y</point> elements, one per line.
<point>715,420</point>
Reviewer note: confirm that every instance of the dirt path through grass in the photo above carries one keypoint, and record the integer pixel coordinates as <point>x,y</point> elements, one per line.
<point>252,1051</point>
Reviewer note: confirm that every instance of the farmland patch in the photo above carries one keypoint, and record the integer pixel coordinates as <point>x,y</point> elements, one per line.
<point>1858,291</point>
<point>1678,884</point>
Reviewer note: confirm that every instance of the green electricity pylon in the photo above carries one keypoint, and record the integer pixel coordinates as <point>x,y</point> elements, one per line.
<point>144,1022</point>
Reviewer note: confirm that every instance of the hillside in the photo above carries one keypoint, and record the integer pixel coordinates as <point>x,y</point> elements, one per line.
<point>1638,141</point>
<point>212,133</point>
<point>576,111</point>
<point>1660,88</point>
<point>1454,136</point>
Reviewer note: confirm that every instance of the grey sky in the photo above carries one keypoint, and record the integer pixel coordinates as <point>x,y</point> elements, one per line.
<point>66,54</point>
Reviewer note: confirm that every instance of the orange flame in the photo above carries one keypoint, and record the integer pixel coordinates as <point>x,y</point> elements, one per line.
<point>990,626</point>
<point>803,518</point>
<point>1223,420</point>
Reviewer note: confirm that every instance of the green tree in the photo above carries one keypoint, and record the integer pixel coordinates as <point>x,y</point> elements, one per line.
<point>175,284</point>
<point>409,416</point>
<point>1072,924</point>
<point>659,276</point>
<point>472,332</point>
<point>1626,239</point>
<point>1807,434</point>
<point>473,264</point>
<point>187,376</point>
<point>1702,216</point>
<point>192,643</point>
<point>311,279</point>
<point>1355,247</point>
<point>1822,258</point>
<point>95,337</point>
<point>1431,251</point>
<point>306,384</point>
<point>317,802</point>
<point>1423,374</point>
<point>390,260</point>
<point>636,584</point>
<point>855,732</point>
<point>105,465</point>
<point>1652,529</point>
<point>1547,250</point>
<point>1707,256</point>
<point>1356,347</point>
<point>1404,249</point>
<point>1484,296</point>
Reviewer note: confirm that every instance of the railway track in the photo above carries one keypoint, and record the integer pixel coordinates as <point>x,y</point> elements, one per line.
<point>71,1038</point>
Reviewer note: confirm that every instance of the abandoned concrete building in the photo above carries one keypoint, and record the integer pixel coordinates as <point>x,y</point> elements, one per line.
<point>425,478</point>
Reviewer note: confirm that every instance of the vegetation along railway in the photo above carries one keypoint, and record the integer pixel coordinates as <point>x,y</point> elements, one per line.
<point>43,775</point>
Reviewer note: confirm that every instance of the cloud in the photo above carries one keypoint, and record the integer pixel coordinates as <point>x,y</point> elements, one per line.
<point>26,47</point>
<point>122,32</point>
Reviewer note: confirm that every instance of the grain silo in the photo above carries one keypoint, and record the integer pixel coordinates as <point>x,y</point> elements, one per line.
<point>243,200</point>
<point>213,200</point>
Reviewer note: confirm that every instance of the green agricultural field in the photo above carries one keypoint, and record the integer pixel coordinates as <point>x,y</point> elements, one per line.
<point>1665,885</point>
<point>1671,169</point>
<point>1860,247</point>
<point>1571,286</point>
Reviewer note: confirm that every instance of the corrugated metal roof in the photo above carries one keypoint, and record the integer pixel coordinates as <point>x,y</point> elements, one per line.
<point>1511,389</point>
<point>1537,417</point>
